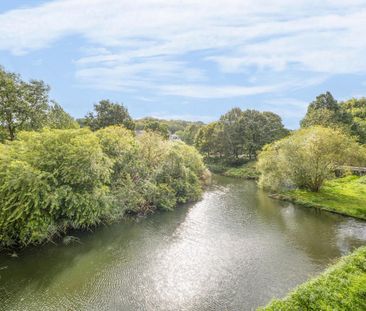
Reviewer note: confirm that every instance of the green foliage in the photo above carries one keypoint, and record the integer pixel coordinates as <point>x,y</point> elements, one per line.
<point>349,116</point>
<point>108,113</point>
<point>245,171</point>
<point>345,195</point>
<point>341,287</point>
<point>23,105</point>
<point>307,158</point>
<point>53,180</point>
<point>57,118</point>
<point>172,125</point>
<point>239,135</point>
<point>157,127</point>
<point>357,109</point>
<point>188,135</point>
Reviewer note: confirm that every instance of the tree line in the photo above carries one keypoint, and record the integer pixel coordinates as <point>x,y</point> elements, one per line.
<point>57,174</point>
<point>54,180</point>
<point>238,135</point>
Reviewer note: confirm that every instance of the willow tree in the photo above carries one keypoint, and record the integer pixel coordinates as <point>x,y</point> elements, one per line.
<point>307,158</point>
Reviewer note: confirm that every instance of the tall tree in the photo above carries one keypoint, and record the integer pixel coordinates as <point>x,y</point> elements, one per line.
<point>326,111</point>
<point>58,118</point>
<point>259,129</point>
<point>233,131</point>
<point>210,140</point>
<point>357,109</point>
<point>157,127</point>
<point>23,105</point>
<point>188,135</point>
<point>108,113</point>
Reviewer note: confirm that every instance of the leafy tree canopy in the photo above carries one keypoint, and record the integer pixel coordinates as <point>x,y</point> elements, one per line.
<point>348,116</point>
<point>58,118</point>
<point>157,127</point>
<point>23,105</point>
<point>239,134</point>
<point>107,113</point>
<point>307,158</point>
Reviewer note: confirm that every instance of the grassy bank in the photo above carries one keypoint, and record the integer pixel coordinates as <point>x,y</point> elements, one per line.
<point>244,171</point>
<point>346,196</point>
<point>341,287</point>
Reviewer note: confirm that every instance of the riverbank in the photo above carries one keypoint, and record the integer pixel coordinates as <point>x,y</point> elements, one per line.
<point>341,287</point>
<point>345,196</point>
<point>77,179</point>
<point>245,171</point>
<point>211,250</point>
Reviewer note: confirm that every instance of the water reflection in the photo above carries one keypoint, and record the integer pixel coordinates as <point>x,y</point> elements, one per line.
<point>233,250</point>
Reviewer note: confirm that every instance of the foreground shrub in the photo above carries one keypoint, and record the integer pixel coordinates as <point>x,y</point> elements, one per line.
<point>54,180</point>
<point>341,287</point>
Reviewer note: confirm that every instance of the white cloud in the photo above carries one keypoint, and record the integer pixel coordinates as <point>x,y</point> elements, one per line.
<point>137,44</point>
<point>209,91</point>
<point>188,117</point>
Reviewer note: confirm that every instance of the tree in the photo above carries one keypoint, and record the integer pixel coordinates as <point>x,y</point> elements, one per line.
<point>239,134</point>
<point>157,127</point>
<point>357,109</point>
<point>210,139</point>
<point>258,129</point>
<point>76,178</point>
<point>326,111</point>
<point>23,105</point>
<point>188,135</point>
<point>57,118</point>
<point>233,132</point>
<point>307,158</point>
<point>108,113</point>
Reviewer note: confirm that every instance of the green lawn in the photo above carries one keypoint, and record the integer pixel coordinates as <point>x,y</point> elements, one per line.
<point>341,287</point>
<point>345,195</point>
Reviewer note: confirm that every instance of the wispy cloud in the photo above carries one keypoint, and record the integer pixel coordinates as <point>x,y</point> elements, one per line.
<point>182,48</point>
<point>212,91</point>
<point>188,117</point>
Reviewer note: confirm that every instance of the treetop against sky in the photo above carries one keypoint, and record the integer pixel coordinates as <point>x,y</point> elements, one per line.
<point>188,59</point>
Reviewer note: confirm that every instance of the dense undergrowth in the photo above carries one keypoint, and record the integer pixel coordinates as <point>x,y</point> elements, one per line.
<point>245,171</point>
<point>242,170</point>
<point>55,180</point>
<point>341,287</point>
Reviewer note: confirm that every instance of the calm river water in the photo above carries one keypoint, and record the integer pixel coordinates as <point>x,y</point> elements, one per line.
<point>233,250</point>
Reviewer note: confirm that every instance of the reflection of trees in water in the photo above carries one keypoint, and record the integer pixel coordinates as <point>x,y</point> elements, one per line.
<point>51,272</point>
<point>322,235</point>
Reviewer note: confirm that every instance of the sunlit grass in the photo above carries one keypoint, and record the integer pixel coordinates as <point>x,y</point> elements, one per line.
<point>343,195</point>
<point>341,287</point>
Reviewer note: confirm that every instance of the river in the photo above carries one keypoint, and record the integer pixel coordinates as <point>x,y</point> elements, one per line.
<point>233,250</point>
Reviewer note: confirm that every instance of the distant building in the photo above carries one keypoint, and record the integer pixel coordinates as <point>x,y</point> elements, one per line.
<point>174,137</point>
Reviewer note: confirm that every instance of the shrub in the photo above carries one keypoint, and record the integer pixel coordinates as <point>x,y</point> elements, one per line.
<point>307,158</point>
<point>58,179</point>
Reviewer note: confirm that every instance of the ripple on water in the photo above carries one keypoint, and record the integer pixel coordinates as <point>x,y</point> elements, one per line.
<point>233,250</point>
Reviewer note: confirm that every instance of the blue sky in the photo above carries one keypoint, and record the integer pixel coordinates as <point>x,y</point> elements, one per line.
<point>188,59</point>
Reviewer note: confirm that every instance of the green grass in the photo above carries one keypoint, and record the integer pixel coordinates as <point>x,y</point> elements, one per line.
<point>345,196</point>
<point>341,287</point>
<point>245,171</point>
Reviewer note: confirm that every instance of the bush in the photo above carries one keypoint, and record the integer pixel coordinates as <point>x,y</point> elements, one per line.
<point>307,158</point>
<point>58,179</point>
<point>341,287</point>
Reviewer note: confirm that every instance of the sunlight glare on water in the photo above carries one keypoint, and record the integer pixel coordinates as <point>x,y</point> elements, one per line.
<point>233,250</point>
